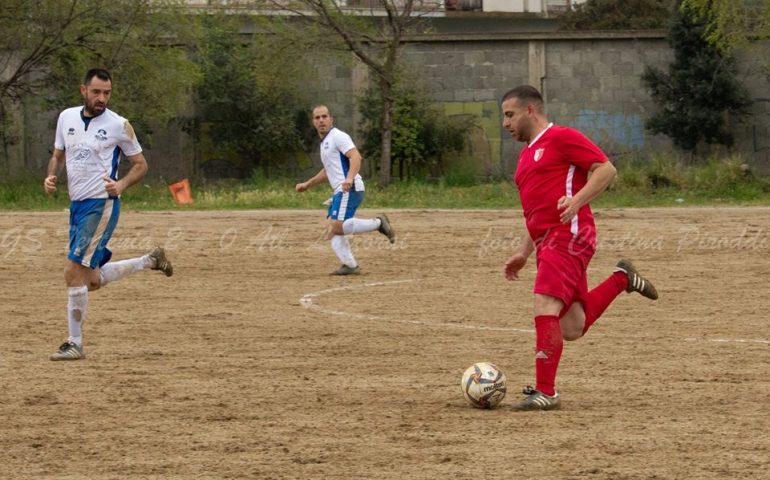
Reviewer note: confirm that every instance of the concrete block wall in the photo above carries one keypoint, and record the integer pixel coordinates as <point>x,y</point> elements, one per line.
<point>592,84</point>
<point>596,87</point>
<point>752,134</point>
<point>590,81</point>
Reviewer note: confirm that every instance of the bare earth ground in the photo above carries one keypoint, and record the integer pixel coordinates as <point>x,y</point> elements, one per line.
<point>252,362</point>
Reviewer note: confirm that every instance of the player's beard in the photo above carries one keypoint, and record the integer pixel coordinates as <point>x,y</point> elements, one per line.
<point>516,135</point>
<point>95,108</point>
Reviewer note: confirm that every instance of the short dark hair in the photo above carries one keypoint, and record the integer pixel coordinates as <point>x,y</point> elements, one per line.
<point>525,94</point>
<point>319,106</point>
<point>99,73</point>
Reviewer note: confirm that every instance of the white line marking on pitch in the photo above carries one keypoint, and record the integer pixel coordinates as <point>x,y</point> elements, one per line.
<point>307,301</point>
<point>728,340</point>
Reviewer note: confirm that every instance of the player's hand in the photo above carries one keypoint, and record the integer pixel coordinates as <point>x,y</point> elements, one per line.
<point>346,185</point>
<point>49,184</point>
<point>570,209</point>
<point>114,188</point>
<point>513,266</point>
<point>301,187</point>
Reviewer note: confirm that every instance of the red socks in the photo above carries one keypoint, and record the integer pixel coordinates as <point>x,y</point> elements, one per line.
<point>549,342</point>
<point>598,299</point>
<point>549,345</point>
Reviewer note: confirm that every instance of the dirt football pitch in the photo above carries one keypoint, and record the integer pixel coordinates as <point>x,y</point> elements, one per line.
<point>252,362</point>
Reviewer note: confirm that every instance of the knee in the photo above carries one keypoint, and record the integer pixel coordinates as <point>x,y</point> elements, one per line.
<point>571,335</point>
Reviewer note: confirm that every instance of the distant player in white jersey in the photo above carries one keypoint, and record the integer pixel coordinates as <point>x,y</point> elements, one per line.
<point>341,163</point>
<point>89,141</point>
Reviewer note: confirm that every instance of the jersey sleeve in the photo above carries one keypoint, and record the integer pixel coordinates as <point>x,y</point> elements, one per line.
<point>581,151</point>
<point>58,142</point>
<point>344,142</point>
<point>127,141</point>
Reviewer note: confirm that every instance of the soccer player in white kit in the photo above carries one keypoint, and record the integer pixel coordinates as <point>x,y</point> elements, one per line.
<point>90,140</point>
<point>341,163</point>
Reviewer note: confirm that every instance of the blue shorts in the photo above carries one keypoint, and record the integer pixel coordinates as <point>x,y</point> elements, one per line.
<point>344,205</point>
<point>91,225</point>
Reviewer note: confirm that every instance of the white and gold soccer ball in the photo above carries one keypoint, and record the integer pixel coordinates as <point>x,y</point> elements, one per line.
<point>483,385</point>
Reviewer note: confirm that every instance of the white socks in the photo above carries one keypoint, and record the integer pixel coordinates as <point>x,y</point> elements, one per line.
<point>354,226</point>
<point>77,305</point>
<point>114,271</point>
<point>77,297</point>
<point>341,247</point>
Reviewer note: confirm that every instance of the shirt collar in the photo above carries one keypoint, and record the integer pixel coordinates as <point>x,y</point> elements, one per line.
<point>540,135</point>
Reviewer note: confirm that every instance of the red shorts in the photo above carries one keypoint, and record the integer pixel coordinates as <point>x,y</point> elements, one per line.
<point>562,267</point>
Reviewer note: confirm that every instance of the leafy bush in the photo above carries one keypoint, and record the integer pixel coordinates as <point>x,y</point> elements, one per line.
<point>248,103</point>
<point>615,15</point>
<point>699,91</point>
<point>422,135</point>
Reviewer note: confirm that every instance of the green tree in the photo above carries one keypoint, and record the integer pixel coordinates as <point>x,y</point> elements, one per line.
<point>699,92</point>
<point>618,15</point>
<point>374,40</point>
<point>46,46</point>
<point>422,135</point>
<point>731,24</point>
<point>248,101</point>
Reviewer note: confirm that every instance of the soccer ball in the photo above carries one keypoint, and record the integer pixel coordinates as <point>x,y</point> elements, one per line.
<point>483,385</point>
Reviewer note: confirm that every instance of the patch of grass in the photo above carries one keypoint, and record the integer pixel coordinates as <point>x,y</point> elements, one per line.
<point>662,181</point>
<point>665,180</point>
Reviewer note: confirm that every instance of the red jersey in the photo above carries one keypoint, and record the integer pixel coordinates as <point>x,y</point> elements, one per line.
<point>556,164</point>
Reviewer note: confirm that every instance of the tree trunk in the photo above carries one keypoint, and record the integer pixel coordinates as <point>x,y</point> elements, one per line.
<point>388,104</point>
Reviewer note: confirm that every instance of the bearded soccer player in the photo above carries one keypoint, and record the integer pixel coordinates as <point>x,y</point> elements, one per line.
<point>555,188</point>
<point>90,140</point>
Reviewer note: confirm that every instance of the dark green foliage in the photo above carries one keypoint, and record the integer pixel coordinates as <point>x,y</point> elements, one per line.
<point>699,92</point>
<point>422,135</point>
<point>49,45</point>
<point>617,15</point>
<point>248,112</point>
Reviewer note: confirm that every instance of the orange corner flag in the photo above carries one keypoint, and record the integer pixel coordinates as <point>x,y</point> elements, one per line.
<point>181,192</point>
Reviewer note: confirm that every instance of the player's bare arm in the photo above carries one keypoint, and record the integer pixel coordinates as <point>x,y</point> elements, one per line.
<point>602,174</point>
<point>55,166</point>
<point>315,180</point>
<point>517,261</point>
<point>137,172</point>
<point>355,166</point>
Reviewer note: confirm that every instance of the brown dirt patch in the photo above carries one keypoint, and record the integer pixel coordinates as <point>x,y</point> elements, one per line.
<point>222,372</point>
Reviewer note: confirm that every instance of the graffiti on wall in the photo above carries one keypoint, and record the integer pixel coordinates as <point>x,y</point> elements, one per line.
<point>612,128</point>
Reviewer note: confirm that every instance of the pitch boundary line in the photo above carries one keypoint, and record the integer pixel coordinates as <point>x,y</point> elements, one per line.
<point>307,301</point>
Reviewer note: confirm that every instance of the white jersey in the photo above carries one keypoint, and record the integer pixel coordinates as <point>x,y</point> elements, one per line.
<point>92,149</point>
<point>333,148</point>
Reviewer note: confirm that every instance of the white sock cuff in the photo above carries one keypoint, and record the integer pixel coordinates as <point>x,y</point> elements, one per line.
<point>114,271</point>
<point>77,291</point>
<point>341,247</point>
<point>77,306</point>
<point>353,226</point>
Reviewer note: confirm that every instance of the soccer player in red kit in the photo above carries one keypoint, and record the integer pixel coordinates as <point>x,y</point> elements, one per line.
<point>555,188</point>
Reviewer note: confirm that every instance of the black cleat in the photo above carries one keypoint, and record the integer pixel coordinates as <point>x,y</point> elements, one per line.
<point>345,270</point>
<point>386,229</point>
<point>537,400</point>
<point>161,262</point>
<point>636,282</point>
<point>68,351</point>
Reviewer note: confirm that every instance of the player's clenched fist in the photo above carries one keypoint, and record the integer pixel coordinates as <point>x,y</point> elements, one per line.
<point>50,184</point>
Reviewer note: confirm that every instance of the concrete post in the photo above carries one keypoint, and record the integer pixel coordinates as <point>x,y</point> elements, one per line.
<point>537,65</point>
